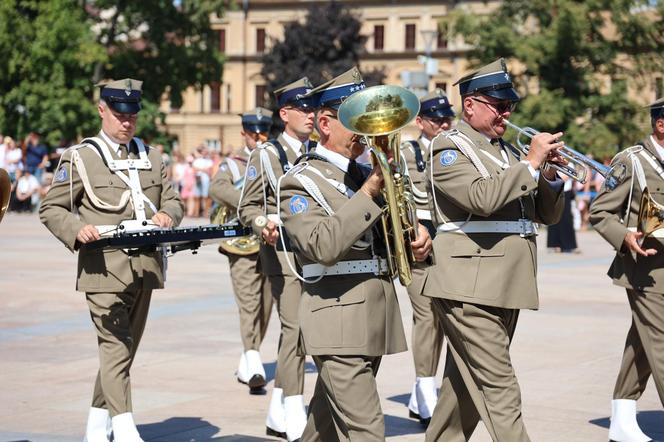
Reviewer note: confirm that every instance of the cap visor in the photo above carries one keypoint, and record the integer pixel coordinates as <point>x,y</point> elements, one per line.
<point>125,107</point>
<point>438,113</point>
<point>256,128</point>
<point>507,94</point>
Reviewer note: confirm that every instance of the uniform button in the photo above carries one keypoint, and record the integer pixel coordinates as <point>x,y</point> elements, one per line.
<point>479,250</point>
<point>367,216</point>
<point>338,299</point>
<point>523,187</point>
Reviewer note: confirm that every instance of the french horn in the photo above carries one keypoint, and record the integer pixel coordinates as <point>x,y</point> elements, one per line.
<point>379,113</point>
<point>5,192</point>
<point>651,215</point>
<point>242,245</point>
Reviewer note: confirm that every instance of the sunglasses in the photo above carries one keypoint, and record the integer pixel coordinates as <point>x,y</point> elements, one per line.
<point>438,121</point>
<point>501,107</point>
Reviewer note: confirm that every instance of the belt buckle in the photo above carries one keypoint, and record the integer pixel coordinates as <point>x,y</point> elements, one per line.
<point>526,228</point>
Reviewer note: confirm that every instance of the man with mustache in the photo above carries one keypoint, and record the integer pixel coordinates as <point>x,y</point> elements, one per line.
<point>349,314</point>
<point>258,208</point>
<point>487,198</point>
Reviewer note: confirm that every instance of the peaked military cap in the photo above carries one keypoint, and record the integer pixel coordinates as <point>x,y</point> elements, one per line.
<point>258,120</point>
<point>492,80</point>
<point>657,109</point>
<point>335,91</point>
<point>436,105</point>
<point>295,94</point>
<point>122,96</point>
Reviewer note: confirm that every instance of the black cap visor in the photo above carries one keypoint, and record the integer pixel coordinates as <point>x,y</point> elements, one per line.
<point>256,128</point>
<point>504,94</point>
<point>441,112</point>
<point>124,107</point>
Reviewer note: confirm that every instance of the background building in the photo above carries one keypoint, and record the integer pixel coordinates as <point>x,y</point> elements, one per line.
<point>399,32</point>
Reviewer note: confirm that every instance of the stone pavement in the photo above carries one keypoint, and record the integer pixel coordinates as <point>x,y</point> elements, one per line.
<point>566,355</point>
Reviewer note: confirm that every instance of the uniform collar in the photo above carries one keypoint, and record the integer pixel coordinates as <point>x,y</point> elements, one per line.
<point>335,158</point>
<point>658,148</point>
<point>293,143</point>
<point>425,141</point>
<point>115,147</point>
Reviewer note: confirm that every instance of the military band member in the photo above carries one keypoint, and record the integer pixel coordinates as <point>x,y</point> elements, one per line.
<point>639,267</point>
<point>349,315</point>
<point>486,199</point>
<point>97,180</point>
<point>254,303</point>
<point>286,413</point>
<point>435,116</point>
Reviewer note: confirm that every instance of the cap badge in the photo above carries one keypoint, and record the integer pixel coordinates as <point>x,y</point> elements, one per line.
<point>259,114</point>
<point>356,76</point>
<point>127,87</point>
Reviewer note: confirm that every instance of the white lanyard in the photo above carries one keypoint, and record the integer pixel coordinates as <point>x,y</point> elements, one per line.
<point>502,164</point>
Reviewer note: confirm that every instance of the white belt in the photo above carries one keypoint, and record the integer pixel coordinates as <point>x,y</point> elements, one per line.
<point>659,233</point>
<point>377,266</point>
<point>423,214</point>
<point>523,227</point>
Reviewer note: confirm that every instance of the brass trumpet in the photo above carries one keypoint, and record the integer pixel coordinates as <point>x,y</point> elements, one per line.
<point>577,169</point>
<point>378,114</point>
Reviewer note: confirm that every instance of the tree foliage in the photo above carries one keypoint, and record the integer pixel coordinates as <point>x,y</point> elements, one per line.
<point>578,58</point>
<point>325,45</point>
<point>56,50</point>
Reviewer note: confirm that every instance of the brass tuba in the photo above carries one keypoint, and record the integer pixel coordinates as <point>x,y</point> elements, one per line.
<point>651,215</point>
<point>242,245</point>
<point>378,114</point>
<point>5,191</point>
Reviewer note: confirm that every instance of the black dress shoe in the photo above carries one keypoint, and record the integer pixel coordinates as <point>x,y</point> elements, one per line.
<point>270,432</point>
<point>413,415</point>
<point>257,382</point>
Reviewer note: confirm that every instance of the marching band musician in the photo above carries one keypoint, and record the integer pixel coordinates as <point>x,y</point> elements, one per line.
<point>435,116</point>
<point>286,414</point>
<point>486,199</point>
<point>254,303</point>
<point>639,267</point>
<point>349,314</point>
<point>108,180</point>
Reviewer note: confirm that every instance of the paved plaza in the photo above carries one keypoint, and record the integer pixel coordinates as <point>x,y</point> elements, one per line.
<point>566,355</point>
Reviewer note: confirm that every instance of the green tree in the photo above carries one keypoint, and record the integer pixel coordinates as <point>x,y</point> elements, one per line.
<point>577,56</point>
<point>325,45</point>
<point>48,54</point>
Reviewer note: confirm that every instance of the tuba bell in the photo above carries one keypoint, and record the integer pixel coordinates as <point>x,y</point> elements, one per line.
<point>5,192</point>
<point>378,113</point>
<point>651,215</point>
<point>241,245</point>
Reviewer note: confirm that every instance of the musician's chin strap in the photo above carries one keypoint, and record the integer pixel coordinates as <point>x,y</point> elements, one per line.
<point>131,179</point>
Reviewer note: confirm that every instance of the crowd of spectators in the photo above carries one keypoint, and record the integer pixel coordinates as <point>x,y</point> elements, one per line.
<point>31,163</point>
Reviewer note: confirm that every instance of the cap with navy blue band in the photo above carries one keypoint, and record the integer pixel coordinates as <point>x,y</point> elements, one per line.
<point>258,120</point>
<point>123,96</point>
<point>657,109</point>
<point>436,105</point>
<point>335,91</point>
<point>492,80</point>
<point>295,94</point>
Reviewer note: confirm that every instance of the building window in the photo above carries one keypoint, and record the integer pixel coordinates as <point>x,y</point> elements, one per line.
<point>260,40</point>
<point>222,40</point>
<point>441,41</point>
<point>261,95</point>
<point>410,36</point>
<point>215,97</point>
<point>442,85</point>
<point>379,37</point>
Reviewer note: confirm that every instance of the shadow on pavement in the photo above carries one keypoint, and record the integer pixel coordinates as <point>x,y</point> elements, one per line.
<point>401,426</point>
<point>271,367</point>
<point>651,423</point>
<point>400,399</point>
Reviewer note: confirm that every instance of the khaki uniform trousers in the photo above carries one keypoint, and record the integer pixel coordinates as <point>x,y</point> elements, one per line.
<point>345,405</point>
<point>644,348</point>
<point>253,301</point>
<point>289,375</point>
<point>119,320</point>
<point>427,334</point>
<point>479,381</point>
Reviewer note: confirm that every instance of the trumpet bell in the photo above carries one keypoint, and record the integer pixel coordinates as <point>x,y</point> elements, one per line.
<point>651,214</point>
<point>379,110</point>
<point>5,192</point>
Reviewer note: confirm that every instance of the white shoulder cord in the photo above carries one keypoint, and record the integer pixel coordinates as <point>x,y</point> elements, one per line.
<point>246,171</point>
<point>266,164</point>
<point>281,231</point>
<point>637,171</point>
<point>235,170</point>
<point>464,145</point>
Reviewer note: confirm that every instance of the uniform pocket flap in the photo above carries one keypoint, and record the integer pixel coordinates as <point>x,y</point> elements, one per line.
<point>350,297</point>
<point>465,249</point>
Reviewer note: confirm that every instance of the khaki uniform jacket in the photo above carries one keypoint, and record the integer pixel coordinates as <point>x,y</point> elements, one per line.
<point>340,314</point>
<point>492,269</point>
<point>105,270</point>
<point>223,189</point>
<point>418,179</point>
<point>252,206</point>
<point>606,215</point>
